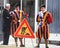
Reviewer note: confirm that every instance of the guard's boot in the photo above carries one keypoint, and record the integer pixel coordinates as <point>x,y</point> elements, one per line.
<point>47,47</point>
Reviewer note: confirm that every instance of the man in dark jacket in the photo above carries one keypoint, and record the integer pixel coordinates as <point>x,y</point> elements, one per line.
<point>6,24</point>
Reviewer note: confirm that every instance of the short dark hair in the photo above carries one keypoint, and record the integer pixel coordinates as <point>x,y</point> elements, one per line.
<point>43,5</point>
<point>17,4</point>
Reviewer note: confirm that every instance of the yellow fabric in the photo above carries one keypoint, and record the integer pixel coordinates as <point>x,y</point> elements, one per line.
<point>43,22</point>
<point>38,19</point>
<point>21,15</point>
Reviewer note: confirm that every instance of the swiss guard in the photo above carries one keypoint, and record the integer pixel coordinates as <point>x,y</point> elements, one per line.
<point>44,18</point>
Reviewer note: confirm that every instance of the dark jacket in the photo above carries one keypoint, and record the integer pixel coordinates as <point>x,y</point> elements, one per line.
<point>6,20</point>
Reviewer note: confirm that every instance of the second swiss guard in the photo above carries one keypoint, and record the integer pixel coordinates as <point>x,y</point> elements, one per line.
<point>16,21</point>
<point>44,18</point>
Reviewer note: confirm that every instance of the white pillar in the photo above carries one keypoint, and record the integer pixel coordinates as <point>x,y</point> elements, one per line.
<point>36,11</point>
<point>21,4</point>
<point>5,1</point>
<point>46,4</point>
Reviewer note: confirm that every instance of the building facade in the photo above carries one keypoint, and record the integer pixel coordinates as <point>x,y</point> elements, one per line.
<point>32,8</point>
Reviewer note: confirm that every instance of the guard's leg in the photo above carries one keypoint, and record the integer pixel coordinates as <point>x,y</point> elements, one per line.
<point>39,36</point>
<point>38,42</point>
<point>46,43</point>
<point>46,36</point>
<point>46,40</point>
<point>21,42</point>
<point>16,41</point>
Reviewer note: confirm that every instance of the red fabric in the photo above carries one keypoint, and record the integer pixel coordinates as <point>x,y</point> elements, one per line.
<point>50,18</point>
<point>26,15</point>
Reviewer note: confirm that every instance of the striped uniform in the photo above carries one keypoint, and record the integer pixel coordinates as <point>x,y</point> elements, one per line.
<point>44,32</point>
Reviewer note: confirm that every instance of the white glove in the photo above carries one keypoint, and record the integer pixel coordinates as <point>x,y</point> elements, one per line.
<point>18,20</point>
<point>40,23</point>
<point>41,14</point>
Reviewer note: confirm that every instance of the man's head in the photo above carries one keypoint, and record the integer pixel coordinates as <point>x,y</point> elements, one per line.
<point>43,7</point>
<point>7,6</point>
<point>17,7</point>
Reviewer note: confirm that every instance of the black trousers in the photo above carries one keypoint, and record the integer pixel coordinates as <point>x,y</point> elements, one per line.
<point>6,33</point>
<point>6,39</point>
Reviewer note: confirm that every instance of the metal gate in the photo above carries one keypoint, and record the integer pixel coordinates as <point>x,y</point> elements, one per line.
<point>54,7</point>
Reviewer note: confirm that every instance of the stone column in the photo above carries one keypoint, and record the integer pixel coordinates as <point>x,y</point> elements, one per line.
<point>5,1</point>
<point>36,11</point>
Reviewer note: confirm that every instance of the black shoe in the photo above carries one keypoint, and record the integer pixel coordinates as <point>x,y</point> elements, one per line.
<point>22,45</point>
<point>47,47</point>
<point>37,47</point>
